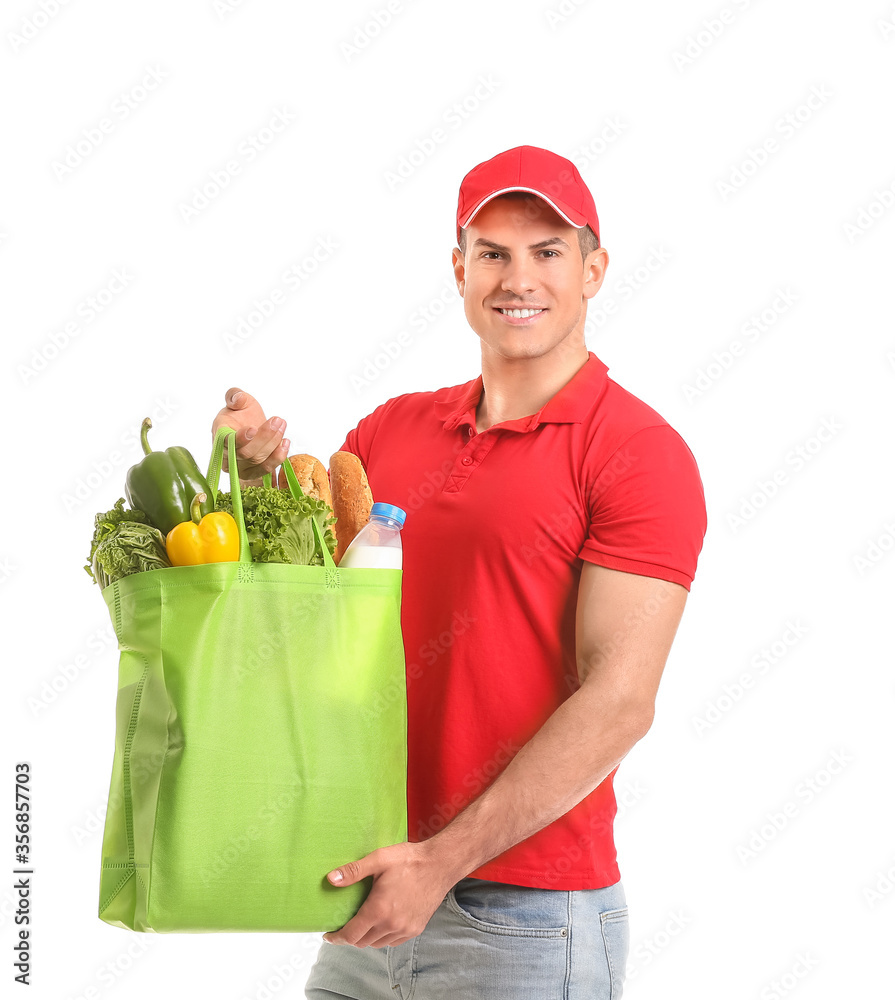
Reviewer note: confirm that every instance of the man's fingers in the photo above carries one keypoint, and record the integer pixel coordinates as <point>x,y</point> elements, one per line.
<point>260,450</point>
<point>236,399</point>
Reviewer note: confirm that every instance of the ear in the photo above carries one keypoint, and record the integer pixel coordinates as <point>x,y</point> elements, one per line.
<point>459,264</point>
<point>595,266</point>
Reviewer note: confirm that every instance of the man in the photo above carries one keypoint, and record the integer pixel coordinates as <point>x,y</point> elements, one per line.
<point>553,527</point>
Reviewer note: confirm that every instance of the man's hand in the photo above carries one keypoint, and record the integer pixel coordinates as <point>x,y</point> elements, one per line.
<point>409,883</point>
<point>260,445</point>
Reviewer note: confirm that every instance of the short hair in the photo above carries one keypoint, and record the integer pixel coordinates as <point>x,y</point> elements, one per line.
<point>587,238</point>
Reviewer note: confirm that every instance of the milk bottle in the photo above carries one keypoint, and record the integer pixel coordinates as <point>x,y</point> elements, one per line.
<point>378,543</point>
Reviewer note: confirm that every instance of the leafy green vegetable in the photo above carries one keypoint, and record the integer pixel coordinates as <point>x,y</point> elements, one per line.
<point>279,527</point>
<point>124,543</point>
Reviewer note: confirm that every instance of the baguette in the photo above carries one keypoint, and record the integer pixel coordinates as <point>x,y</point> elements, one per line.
<point>351,498</point>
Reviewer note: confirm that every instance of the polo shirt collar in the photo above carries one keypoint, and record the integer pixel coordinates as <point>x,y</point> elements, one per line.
<point>457,405</point>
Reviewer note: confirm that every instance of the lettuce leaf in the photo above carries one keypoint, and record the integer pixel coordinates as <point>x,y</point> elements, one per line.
<point>279,527</point>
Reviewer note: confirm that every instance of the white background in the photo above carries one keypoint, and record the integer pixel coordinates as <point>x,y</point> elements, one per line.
<point>659,105</point>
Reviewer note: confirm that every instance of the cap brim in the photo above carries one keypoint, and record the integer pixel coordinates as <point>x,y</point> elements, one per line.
<point>563,213</point>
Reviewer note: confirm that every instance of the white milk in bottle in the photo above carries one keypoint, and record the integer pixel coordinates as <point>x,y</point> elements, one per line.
<point>378,544</point>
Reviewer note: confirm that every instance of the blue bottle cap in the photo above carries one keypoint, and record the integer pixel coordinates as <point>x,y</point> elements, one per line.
<point>389,510</point>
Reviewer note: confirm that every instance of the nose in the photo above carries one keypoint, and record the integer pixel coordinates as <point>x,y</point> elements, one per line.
<point>519,277</point>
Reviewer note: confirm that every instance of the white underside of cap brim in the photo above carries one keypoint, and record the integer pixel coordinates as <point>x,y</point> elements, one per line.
<point>539,194</point>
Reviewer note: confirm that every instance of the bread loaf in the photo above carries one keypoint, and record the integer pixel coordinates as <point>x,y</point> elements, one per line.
<point>311,476</point>
<point>351,498</point>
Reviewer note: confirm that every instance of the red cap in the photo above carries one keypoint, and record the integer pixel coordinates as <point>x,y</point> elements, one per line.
<point>529,168</point>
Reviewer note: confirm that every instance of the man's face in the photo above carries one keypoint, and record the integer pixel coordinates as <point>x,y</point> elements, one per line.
<point>521,255</point>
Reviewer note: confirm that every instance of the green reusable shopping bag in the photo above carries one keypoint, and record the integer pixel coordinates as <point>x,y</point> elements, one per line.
<point>248,759</point>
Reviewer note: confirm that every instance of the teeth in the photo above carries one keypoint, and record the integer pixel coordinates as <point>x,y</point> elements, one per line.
<point>521,313</point>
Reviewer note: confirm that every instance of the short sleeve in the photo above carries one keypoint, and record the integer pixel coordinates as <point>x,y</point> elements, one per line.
<point>361,439</point>
<point>646,507</point>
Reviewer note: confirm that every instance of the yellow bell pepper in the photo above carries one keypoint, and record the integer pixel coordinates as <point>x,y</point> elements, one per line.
<point>214,538</point>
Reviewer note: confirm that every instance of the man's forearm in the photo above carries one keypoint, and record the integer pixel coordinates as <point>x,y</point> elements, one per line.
<point>576,748</point>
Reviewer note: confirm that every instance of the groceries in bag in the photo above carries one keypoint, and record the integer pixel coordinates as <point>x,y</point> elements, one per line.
<point>164,483</point>
<point>172,508</point>
<point>279,527</point>
<point>378,544</point>
<point>210,539</point>
<point>351,498</point>
<point>311,475</point>
<point>123,543</point>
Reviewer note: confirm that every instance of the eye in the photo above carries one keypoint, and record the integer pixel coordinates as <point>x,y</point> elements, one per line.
<point>491,254</point>
<point>555,254</point>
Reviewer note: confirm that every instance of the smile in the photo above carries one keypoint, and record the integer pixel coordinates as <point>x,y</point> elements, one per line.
<point>521,313</point>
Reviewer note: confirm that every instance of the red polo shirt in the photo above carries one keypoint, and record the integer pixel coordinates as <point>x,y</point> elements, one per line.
<point>498,524</point>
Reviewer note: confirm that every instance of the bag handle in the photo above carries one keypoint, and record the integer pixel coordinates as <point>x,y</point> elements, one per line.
<point>213,480</point>
<point>297,492</point>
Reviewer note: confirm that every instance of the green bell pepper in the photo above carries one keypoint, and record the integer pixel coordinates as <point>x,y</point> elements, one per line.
<point>164,483</point>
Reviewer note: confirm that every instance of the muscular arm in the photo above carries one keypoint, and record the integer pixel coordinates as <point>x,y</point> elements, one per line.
<point>624,630</point>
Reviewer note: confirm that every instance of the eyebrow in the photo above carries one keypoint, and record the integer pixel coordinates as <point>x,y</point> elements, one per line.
<point>551,242</point>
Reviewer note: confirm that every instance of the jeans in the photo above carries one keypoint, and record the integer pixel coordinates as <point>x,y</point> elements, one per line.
<point>494,941</point>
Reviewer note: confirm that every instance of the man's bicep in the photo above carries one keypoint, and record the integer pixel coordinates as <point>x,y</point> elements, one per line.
<point>625,625</point>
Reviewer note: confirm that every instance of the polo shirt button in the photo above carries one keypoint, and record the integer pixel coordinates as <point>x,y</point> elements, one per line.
<point>467,460</point>
<point>470,431</point>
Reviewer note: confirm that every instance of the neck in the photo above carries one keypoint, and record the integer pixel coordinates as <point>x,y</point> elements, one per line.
<point>518,387</point>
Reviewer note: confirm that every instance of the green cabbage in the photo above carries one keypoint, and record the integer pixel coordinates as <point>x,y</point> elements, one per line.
<point>123,543</point>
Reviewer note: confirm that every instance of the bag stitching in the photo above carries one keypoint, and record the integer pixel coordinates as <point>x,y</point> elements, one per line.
<point>125,778</point>
<point>126,763</point>
<point>122,883</point>
<point>384,585</point>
